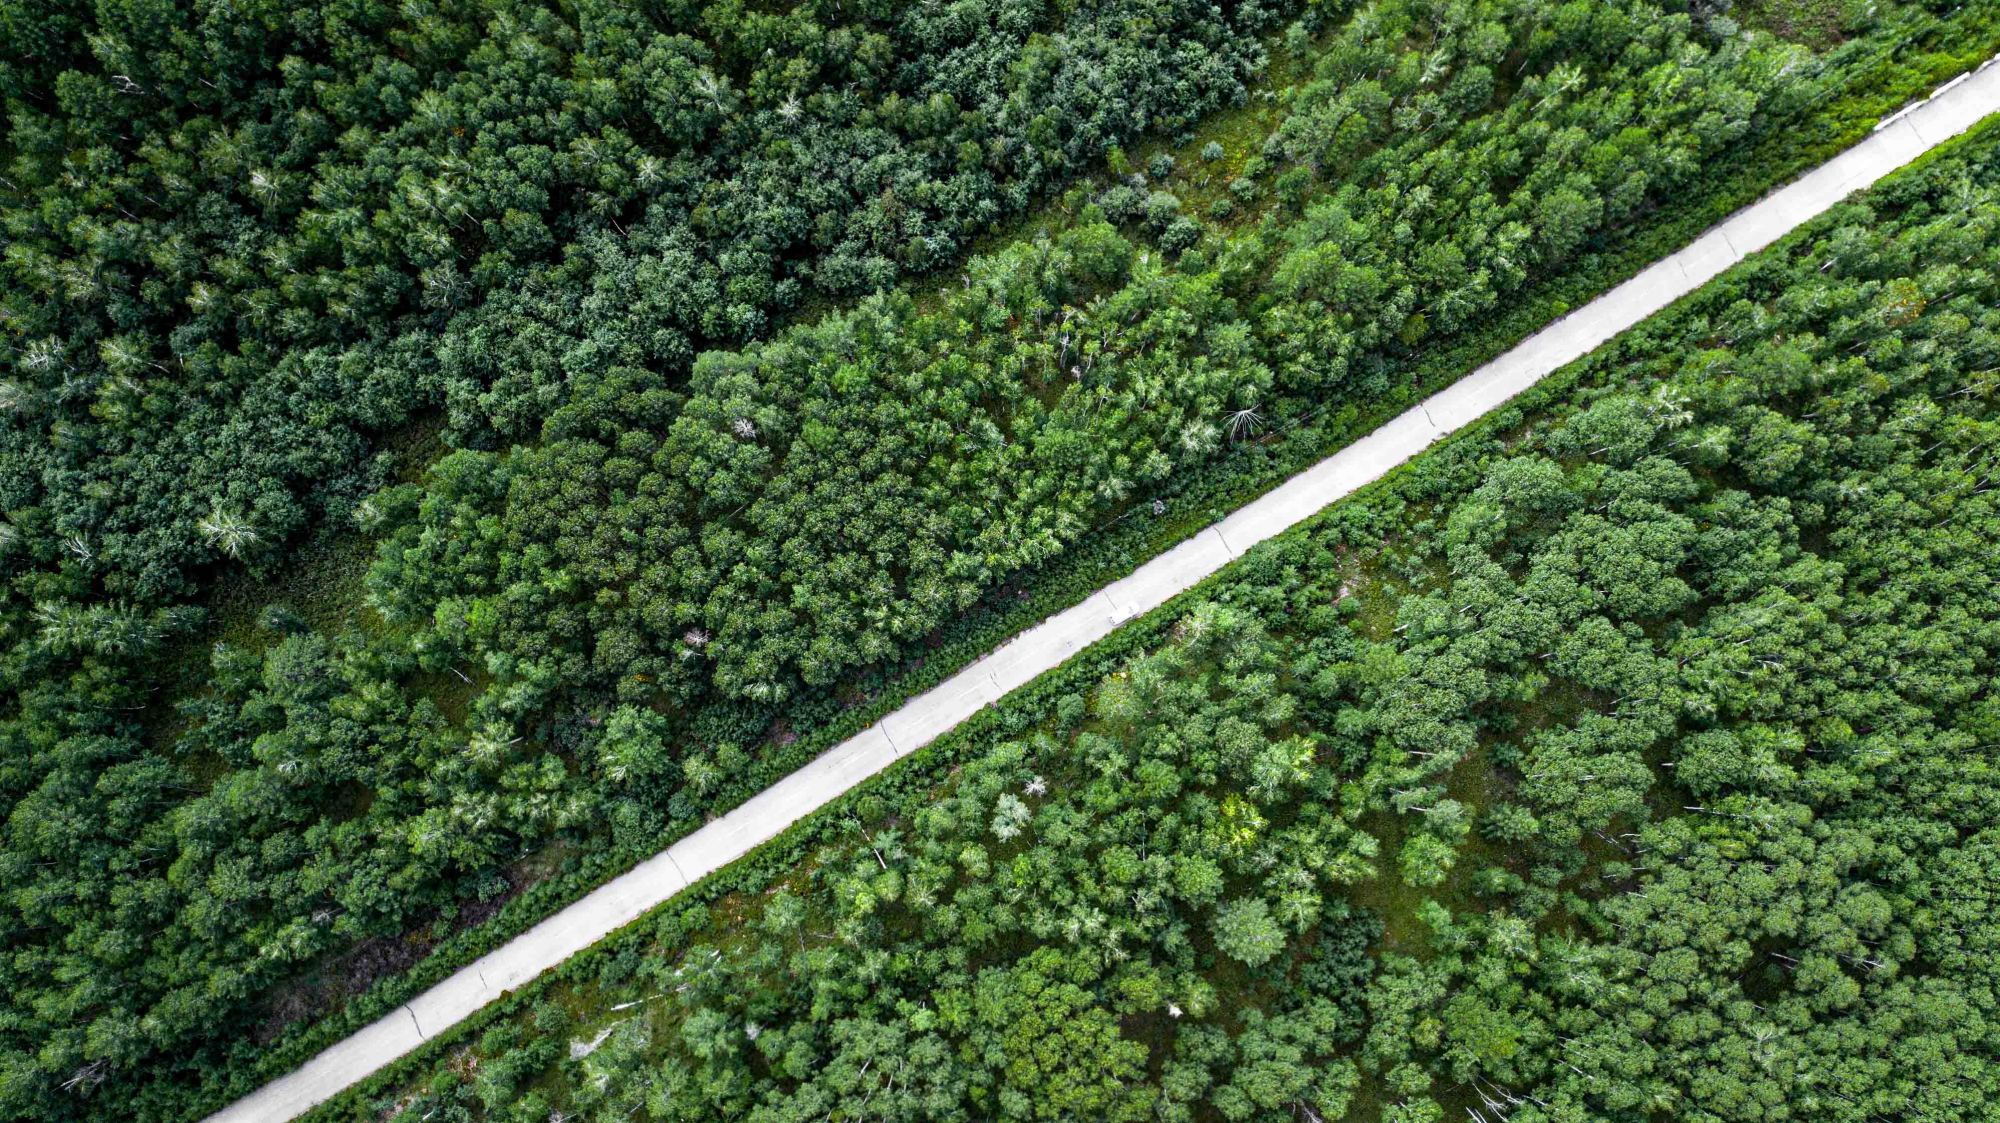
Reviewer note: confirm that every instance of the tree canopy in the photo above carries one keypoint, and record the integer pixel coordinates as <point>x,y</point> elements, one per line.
<point>1632,757</point>
<point>612,393</point>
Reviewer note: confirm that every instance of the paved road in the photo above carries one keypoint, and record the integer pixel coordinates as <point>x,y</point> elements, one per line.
<point>625,898</point>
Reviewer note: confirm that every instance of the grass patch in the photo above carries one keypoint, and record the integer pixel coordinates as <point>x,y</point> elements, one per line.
<point>1818,24</point>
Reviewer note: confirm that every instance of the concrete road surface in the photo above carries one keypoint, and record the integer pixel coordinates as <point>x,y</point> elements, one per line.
<point>623,899</point>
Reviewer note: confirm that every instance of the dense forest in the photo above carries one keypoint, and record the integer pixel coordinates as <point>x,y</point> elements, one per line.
<point>251,248</point>
<point>815,503</point>
<point>220,287</point>
<point>1630,758</point>
<point>441,438</point>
